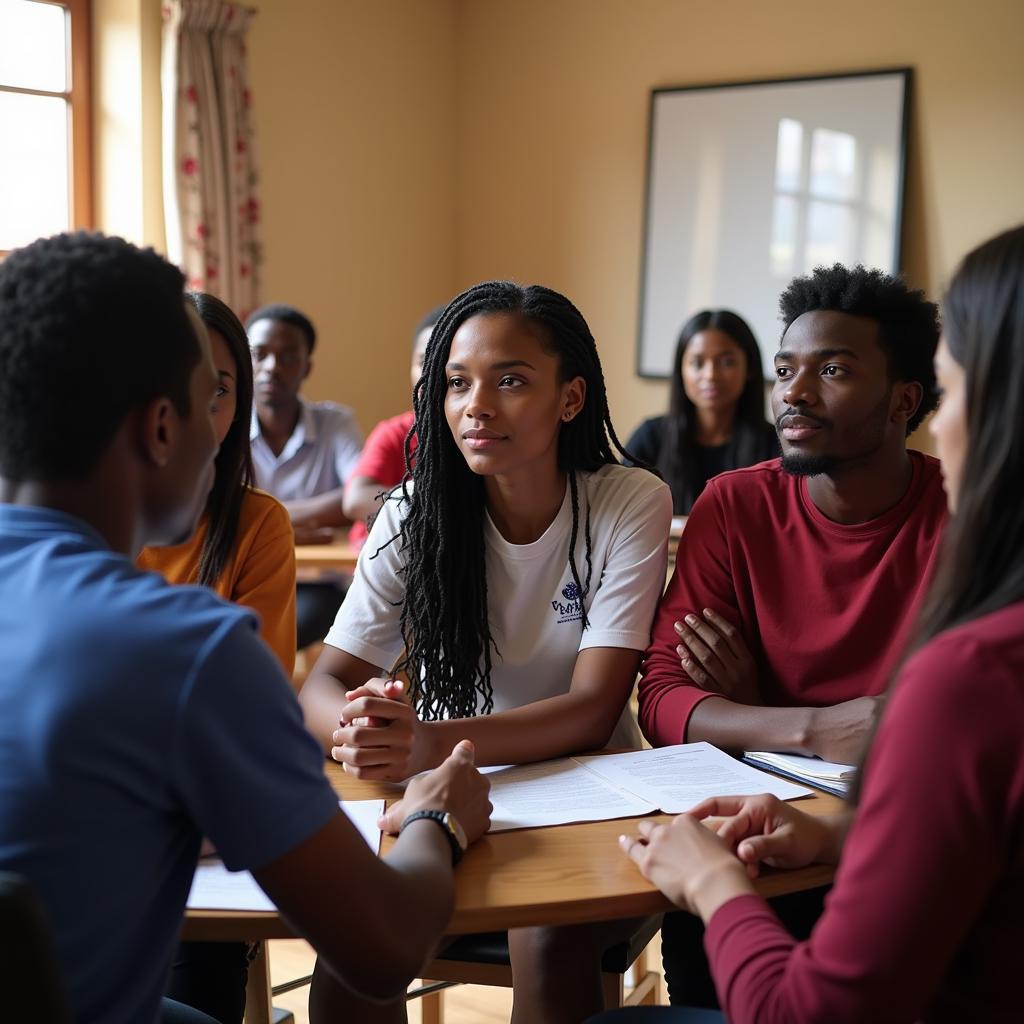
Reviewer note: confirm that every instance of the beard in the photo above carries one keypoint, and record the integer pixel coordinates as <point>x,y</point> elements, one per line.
<point>796,464</point>
<point>871,436</point>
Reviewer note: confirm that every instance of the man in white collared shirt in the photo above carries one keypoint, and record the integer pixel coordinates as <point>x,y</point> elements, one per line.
<point>302,452</point>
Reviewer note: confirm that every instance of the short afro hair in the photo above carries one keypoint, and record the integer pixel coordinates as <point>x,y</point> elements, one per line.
<point>908,323</point>
<point>90,328</point>
<point>287,315</point>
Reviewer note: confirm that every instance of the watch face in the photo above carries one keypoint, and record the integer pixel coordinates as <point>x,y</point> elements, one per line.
<point>456,830</point>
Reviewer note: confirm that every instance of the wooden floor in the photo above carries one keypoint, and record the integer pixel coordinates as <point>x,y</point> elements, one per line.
<point>464,1004</point>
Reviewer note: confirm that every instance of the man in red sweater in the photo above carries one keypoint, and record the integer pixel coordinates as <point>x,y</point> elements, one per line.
<point>796,580</point>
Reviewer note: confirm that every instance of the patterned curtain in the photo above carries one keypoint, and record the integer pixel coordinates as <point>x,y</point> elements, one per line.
<point>211,201</point>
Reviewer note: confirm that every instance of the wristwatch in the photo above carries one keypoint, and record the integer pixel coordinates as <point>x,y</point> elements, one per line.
<point>452,829</point>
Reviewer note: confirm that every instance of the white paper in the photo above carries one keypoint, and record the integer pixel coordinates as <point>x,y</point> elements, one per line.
<point>556,793</point>
<point>808,767</point>
<point>364,814</point>
<point>680,777</point>
<point>216,888</point>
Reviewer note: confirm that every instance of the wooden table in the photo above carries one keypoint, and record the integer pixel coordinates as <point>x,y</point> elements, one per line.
<point>565,874</point>
<point>312,560</point>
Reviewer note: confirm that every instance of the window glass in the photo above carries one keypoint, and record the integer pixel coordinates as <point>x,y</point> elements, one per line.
<point>33,47</point>
<point>34,195</point>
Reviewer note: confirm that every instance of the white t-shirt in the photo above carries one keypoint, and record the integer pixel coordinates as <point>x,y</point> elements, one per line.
<point>534,609</point>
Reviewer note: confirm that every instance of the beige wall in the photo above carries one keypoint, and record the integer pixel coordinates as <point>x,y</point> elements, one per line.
<point>552,131</point>
<point>412,147</point>
<point>355,105</point>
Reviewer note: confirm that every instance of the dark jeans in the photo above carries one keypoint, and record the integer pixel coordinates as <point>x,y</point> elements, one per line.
<point>316,605</point>
<point>687,975</point>
<point>173,1012</point>
<point>211,977</point>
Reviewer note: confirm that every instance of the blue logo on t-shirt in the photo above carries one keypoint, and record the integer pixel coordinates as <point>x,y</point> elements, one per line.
<point>572,610</point>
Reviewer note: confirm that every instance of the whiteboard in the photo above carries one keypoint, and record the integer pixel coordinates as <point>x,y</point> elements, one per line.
<point>752,184</point>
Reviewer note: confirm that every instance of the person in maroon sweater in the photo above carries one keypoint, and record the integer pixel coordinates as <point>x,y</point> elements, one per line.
<point>926,918</point>
<point>796,579</point>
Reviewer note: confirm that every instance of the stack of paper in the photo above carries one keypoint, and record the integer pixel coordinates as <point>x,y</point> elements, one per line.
<point>605,786</point>
<point>827,775</point>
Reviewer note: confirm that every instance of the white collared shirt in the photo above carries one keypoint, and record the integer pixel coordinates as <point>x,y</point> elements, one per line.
<point>318,457</point>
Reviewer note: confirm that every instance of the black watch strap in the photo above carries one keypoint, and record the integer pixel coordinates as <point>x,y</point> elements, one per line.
<point>439,817</point>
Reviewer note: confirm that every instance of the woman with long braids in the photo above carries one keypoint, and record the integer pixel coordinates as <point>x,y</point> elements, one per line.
<point>243,550</point>
<point>512,582</point>
<point>926,918</point>
<point>715,420</point>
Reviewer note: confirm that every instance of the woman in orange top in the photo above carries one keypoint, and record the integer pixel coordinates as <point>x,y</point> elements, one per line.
<point>248,554</point>
<point>244,550</point>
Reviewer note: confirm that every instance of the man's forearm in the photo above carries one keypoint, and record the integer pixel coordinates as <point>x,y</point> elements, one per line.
<point>361,498</point>
<point>323,510</point>
<point>738,727</point>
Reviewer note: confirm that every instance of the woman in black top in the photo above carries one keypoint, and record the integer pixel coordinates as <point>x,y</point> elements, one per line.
<point>716,418</point>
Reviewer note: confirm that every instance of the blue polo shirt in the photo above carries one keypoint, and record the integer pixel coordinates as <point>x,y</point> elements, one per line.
<point>135,718</point>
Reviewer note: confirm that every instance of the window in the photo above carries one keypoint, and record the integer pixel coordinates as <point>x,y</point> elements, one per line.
<point>45,160</point>
<point>824,209</point>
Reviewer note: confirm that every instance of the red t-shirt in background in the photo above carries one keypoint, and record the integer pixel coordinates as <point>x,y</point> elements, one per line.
<point>824,608</point>
<point>926,917</point>
<point>383,460</point>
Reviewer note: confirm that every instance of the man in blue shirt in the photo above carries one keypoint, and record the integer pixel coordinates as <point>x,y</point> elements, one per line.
<point>136,718</point>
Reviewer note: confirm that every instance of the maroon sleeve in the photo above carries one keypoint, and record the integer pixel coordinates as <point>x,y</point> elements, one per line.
<point>702,579</point>
<point>383,456</point>
<point>926,850</point>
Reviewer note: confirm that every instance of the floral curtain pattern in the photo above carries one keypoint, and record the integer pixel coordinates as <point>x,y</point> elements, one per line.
<point>211,197</point>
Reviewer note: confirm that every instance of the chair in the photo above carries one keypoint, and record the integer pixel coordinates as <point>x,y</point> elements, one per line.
<point>484,960</point>
<point>29,973</point>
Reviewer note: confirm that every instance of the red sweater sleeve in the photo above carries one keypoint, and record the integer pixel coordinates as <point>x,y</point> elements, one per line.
<point>926,910</point>
<point>383,455</point>
<point>702,579</point>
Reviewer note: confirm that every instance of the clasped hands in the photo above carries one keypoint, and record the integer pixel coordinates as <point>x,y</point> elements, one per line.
<point>380,736</point>
<point>713,653</point>
<point>707,856</point>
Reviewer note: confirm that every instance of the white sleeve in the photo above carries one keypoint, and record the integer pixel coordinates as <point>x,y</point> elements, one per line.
<point>633,576</point>
<point>367,624</point>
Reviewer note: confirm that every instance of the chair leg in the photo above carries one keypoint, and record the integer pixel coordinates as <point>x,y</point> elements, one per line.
<point>646,991</point>
<point>257,989</point>
<point>614,989</point>
<point>432,1008</point>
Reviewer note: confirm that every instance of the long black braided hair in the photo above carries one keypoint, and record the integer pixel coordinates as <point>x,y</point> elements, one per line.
<point>444,619</point>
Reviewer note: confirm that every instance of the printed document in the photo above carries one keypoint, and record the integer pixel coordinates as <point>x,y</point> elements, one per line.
<point>605,786</point>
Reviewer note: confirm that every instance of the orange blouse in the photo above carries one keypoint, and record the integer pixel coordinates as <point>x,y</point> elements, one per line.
<point>259,575</point>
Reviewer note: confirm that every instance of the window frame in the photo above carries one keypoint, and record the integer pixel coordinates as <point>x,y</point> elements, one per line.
<point>78,95</point>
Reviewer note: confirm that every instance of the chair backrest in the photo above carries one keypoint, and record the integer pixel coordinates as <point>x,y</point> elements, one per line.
<point>31,987</point>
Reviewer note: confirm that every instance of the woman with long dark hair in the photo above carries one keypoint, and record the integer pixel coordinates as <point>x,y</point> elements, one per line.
<point>243,549</point>
<point>926,918</point>
<point>512,582</point>
<point>715,419</point>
